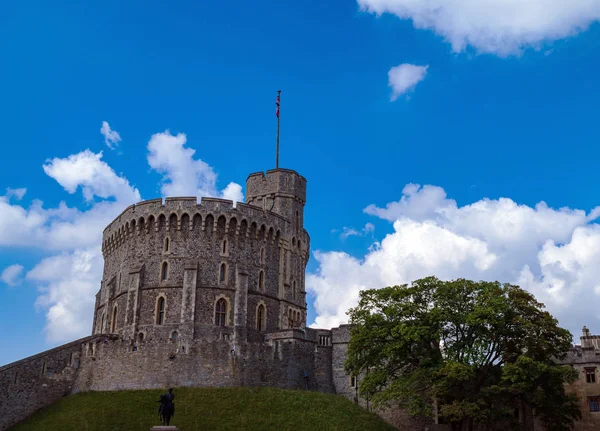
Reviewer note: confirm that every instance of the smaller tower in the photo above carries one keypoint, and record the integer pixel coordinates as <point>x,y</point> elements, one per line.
<point>282,191</point>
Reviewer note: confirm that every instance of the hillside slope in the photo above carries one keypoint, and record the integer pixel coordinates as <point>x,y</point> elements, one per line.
<point>205,409</point>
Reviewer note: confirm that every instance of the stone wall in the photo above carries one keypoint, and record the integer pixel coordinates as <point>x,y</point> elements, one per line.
<point>38,381</point>
<point>149,248</point>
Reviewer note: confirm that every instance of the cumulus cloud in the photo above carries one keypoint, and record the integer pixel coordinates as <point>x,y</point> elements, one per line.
<point>404,78</point>
<point>554,253</point>
<point>95,177</point>
<point>182,174</point>
<point>111,137</point>
<point>68,284</point>
<point>12,275</point>
<point>347,231</point>
<point>493,26</point>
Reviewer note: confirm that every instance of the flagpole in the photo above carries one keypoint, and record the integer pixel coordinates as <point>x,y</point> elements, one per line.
<point>278,124</point>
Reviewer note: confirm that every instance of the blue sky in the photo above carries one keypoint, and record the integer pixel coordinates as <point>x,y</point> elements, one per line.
<point>492,128</point>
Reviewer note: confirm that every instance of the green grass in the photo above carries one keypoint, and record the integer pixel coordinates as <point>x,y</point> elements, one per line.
<point>205,409</point>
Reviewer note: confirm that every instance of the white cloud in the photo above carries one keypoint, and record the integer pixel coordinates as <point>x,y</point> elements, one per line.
<point>16,193</point>
<point>346,231</point>
<point>493,26</point>
<point>182,174</point>
<point>554,253</point>
<point>405,77</point>
<point>68,283</point>
<point>12,275</point>
<point>95,177</point>
<point>111,137</point>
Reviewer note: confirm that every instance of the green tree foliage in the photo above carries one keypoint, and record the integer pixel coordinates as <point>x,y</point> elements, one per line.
<point>481,350</point>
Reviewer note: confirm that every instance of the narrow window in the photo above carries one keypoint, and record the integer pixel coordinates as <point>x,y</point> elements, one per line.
<point>220,312</point>
<point>297,221</point>
<point>102,323</point>
<point>590,375</point>
<point>290,318</point>
<point>262,255</point>
<point>113,323</point>
<point>44,369</point>
<point>261,280</point>
<point>594,404</point>
<point>16,377</point>
<point>352,381</point>
<point>294,290</point>
<point>141,337</point>
<point>167,245</point>
<point>324,340</point>
<point>164,273</point>
<point>160,316</point>
<point>224,246</point>
<point>260,318</point>
<point>174,335</point>
<point>222,273</point>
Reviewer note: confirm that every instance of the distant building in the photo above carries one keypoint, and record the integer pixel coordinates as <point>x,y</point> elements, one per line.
<point>585,358</point>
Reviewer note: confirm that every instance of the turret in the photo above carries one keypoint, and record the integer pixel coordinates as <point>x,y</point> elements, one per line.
<point>282,191</point>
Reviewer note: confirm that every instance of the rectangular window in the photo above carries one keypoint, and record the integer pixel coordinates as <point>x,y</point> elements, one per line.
<point>324,340</point>
<point>352,381</point>
<point>590,375</point>
<point>594,404</point>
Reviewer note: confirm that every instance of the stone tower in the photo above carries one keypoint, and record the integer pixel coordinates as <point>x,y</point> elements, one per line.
<point>282,191</point>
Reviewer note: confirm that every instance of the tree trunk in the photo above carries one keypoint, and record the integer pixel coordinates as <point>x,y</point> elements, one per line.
<point>470,424</point>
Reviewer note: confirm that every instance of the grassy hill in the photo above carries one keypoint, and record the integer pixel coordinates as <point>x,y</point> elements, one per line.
<point>206,409</point>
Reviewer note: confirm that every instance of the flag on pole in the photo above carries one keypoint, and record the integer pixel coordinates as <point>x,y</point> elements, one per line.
<point>277,104</point>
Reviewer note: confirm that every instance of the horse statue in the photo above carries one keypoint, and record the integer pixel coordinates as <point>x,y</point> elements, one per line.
<point>166,410</point>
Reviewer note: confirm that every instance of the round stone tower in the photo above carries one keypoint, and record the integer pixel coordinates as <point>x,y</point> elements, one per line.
<point>189,272</point>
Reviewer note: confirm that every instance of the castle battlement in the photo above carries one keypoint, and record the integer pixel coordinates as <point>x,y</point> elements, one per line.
<point>186,213</point>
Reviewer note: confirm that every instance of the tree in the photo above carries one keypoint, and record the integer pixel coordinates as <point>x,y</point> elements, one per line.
<point>478,350</point>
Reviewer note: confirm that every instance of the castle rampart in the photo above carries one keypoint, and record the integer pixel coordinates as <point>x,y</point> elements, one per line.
<point>39,380</point>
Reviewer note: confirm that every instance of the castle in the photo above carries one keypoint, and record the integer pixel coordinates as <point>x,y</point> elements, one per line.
<point>213,294</point>
<point>196,294</point>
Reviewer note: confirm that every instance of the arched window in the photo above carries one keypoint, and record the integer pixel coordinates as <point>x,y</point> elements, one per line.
<point>174,335</point>
<point>261,280</point>
<point>164,273</point>
<point>262,255</point>
<point>141,337</point>
<point>290,318</point>
<point>222,273</point>
<point>167,244</point>
<point>224,246</point>
<point>260,318</point>
<point>220,312</point>
<point>113,322</point>
<point>160,311</point>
